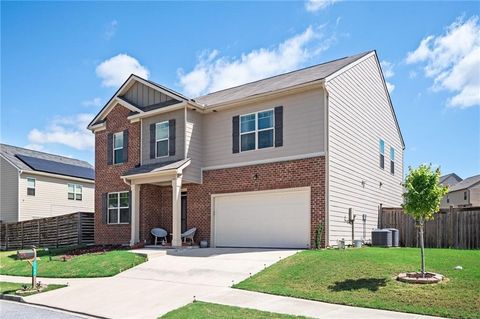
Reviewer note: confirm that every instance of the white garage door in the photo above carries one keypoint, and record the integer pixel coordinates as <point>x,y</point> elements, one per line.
<point>272,219</point>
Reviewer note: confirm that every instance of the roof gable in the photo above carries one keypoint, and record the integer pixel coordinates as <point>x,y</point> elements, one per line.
<point>466,183</point>
<point>139,95</point>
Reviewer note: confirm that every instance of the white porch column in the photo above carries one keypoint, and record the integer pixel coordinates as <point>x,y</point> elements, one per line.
<point>135,217</point>
<point>176,210</point>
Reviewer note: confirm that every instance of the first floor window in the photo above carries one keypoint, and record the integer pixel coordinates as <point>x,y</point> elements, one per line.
<point>256,130</point>
<point>31,186</point>
<point>382,153</point>
<point>161,138</point>
<point>118,148</point>
<point>74,192</point>
<point>118,208</point>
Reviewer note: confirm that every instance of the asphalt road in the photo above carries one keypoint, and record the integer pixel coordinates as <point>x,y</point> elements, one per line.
<point>18,310</point>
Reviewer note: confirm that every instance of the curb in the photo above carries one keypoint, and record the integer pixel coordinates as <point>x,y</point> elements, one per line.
<point>11,298</point>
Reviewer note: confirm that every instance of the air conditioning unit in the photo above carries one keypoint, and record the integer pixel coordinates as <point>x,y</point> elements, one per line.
<point>395,237</point>
<point>382,238</point>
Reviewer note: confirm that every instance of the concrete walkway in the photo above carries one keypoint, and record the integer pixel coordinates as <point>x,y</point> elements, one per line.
<point>300,307</point>
<point>173,278</point>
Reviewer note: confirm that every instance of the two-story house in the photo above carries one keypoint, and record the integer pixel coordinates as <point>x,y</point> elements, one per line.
<point>461,193</point>
<point>36,184</point>
<point>258,165</point>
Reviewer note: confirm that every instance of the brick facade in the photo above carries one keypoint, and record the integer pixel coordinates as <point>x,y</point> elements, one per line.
<point>156,201</point>
<point>107,177</point>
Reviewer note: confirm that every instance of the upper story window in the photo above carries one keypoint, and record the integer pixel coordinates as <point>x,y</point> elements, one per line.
<point>74,192</point>
<point>118,208</point>
<point>257,130</point>
<point>465,195</point>
<point>31,186</point>
<point>161,139</point>
<point>382,153</point>
<point>118,148</point>
<point>392,160</point>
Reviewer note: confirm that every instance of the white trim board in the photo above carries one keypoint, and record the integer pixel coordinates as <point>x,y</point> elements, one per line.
<point>265,161</point>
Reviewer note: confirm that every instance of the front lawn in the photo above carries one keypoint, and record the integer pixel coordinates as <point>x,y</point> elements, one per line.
<point>366,277</point>
<point>11,288</point>
<point>204,310</point>
<point>99,264</point>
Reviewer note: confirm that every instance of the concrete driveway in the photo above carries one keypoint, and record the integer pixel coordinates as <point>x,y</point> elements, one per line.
<point>162,284</point>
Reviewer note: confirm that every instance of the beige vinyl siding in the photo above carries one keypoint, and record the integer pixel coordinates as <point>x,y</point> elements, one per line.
<point>474,194</point>
<point>456,199</point>
<point>303,130</point>
<point>51,197</point>
<point>359,116</point>
<point>8,192</point>
<point>141,95</point>
<point>193,146</point>
<point>179,116</point>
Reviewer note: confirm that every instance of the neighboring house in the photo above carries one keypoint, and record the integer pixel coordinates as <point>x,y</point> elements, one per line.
<point>35,185</point>
<point>257,165</point>
<point>465,193</point>
<point>450,179</point>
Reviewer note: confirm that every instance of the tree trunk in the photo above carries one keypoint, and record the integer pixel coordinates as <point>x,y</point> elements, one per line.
<point>422,247</point>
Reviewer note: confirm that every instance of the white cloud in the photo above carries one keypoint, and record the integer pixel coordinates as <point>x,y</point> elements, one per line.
<point>387,68</point>
<point>66,130</point>
<point>95,102</point>
<point>117,69</point>
<point>111,29</point>
<point>316,5</point>
<point>214,72</point>
<point>452,60</point>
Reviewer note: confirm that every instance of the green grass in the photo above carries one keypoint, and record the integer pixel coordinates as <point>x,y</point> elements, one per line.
<point>10,288</point>
<point>83,266</point>
<point>204,310</point>
<point>366,277</point>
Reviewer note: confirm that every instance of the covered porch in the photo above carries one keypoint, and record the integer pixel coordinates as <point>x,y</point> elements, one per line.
<point>159,174</point>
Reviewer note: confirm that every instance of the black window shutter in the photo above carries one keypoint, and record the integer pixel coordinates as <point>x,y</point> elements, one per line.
<point>110,149</point>
<point>235,134</point>
<point>129,207</point>
<point>152,141</point>
<point>125,146</point>
<point>105,208</point>
<point>279,126</point>
<point>171,137</point>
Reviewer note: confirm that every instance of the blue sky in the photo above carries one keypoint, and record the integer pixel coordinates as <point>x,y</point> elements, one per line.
<point>61,61</point>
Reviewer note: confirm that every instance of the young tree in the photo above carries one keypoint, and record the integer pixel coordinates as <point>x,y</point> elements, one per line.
<point>422,197</point>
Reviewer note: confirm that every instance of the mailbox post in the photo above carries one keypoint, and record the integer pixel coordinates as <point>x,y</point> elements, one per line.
<point>34,267</point>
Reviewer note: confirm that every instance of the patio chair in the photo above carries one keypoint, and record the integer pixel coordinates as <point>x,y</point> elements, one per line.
<point>159,233</point>
<point>189,234</point>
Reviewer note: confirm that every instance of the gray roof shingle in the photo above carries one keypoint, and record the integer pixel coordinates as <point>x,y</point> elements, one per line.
<point>156,167</point>
<point>466,183</point>
<point>278,82</point>
<point>10,152</point>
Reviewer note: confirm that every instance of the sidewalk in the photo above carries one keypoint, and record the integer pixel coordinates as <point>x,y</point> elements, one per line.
<point>300,307</point>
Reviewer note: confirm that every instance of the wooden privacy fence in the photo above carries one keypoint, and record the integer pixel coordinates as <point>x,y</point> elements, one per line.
<point>64,230</point>
<point>451,228</point>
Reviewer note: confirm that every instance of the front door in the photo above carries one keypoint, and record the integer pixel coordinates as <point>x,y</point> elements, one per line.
<point>184,211</point>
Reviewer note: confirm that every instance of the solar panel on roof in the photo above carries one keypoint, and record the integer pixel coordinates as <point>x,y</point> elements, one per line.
<point>47,166</point>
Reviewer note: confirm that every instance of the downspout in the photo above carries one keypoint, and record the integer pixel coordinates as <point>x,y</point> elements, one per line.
<point>18,194</point>
<point>327,173</point>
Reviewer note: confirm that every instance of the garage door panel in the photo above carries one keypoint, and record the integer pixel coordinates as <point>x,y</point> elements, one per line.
<point>279,219</point>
